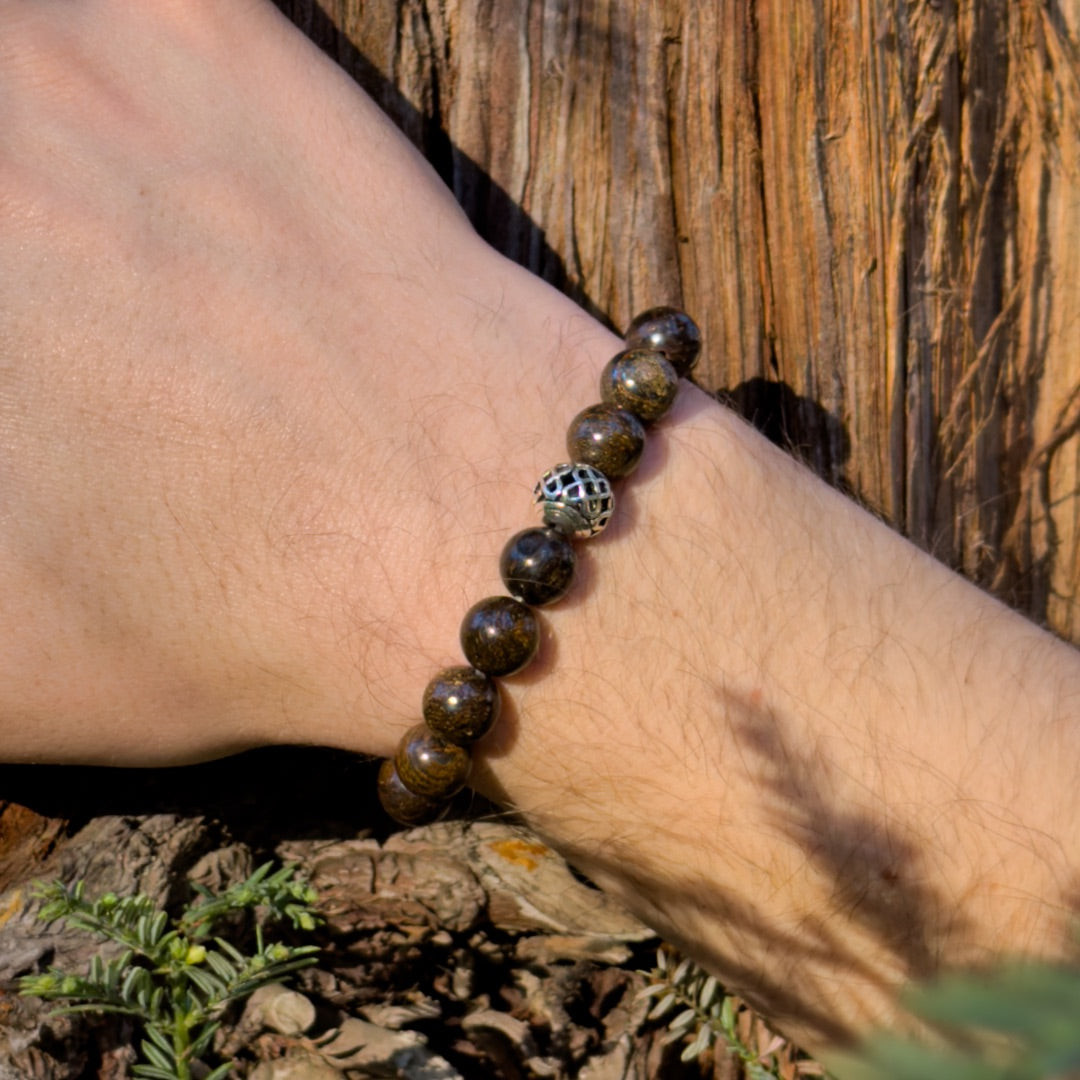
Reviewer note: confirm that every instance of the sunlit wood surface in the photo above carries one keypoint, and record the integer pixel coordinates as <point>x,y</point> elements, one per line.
<point>872,207</point>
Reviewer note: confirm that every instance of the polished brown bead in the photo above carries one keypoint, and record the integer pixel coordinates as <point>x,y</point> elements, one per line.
<point>537,565</point>
<point>499,635</point>
<point>607,438</point>
<point>431,765</point>
<point>461,704</point>
<point>670,331</point>
<point>640,381</point>
<point>403,805</point>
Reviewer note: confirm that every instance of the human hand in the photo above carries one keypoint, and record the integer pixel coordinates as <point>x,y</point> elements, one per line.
<point>269,411</point>
<point>268,407</point>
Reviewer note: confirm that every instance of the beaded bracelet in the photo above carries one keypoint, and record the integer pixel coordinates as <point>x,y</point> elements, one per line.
<point>500,635</point>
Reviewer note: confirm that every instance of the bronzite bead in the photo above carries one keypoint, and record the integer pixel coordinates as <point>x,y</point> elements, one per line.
<point>404,805</point>
<point>431,765</point>
<point>499,635</point>
<point>640,381</point>
<point>537,566</point>
<point>461,704</point>
<point>669,331</point>
<point>608,438</point>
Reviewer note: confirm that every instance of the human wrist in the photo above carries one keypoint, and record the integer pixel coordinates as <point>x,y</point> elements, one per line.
<point>500,634</point>
<point>475,432</point>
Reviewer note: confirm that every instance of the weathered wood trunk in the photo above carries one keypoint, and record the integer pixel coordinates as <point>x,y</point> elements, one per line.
<point>872,207</point>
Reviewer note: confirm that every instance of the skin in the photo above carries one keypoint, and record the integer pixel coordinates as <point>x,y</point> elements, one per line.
<point>269,411</point>
<point>243,481</point>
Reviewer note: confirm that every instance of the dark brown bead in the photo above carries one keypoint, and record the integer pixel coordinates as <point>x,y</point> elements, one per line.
<point>499,635</point>
<point>537,565</point>
<point>670,331</point>
<point>461,704</point>
<point>640,381</point>
<point>403,805</point>
<point>430,765</point>
<point>608,438</point>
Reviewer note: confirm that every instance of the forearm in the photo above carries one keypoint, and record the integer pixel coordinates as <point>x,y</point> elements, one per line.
<point>795,743</point>
<point>270,410</point>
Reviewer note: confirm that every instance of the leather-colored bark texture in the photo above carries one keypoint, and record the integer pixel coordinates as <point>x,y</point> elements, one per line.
<point>871,206</point>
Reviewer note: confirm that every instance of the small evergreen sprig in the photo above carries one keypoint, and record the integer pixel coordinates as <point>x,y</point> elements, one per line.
<point>1021,1022</point>
<point>174,974</point>
<point>708,1014</point>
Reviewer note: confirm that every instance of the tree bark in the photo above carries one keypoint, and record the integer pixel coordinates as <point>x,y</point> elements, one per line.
<point>871,207</point>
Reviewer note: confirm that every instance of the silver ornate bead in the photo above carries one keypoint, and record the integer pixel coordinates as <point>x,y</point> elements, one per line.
<point>575,499</point>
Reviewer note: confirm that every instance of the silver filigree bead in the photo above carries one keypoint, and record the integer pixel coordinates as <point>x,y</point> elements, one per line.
<point>576,499</point>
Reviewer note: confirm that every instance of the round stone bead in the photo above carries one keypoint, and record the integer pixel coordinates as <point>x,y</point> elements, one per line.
<point>403,805</point>
<point>575,499</point>
<point>461,704</point>
<point>608,438</point>
<point>499,635</point>
<point>640,381</point>
<point>429,765</point>
<point>537,566</point>
<point>670,331</point>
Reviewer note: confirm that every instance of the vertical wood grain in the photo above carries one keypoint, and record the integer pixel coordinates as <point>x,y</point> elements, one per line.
<point>872,207</point>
